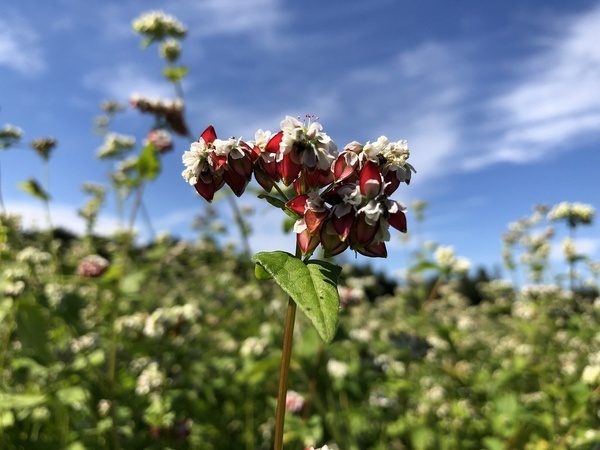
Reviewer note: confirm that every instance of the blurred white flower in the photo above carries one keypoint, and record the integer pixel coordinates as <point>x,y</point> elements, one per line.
<point>337,369</point>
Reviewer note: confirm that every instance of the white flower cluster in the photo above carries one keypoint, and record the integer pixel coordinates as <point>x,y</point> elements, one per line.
<point>573,212</point>
<point>323,149</point>
<point>32,255</point>
<point>115,145</point>
<point>253,346</point>
<point>395,154</point>
<point>170,50</point>
<point>150,379</point>
<point>85,342</point>
<point>158,25</point>
<point>9,135</point>
<point>448,261</point>
<point>337,369</point>
<point>591,372</point>
<point>569,250</point>
<point>162,319</point>
<point>197,161</point>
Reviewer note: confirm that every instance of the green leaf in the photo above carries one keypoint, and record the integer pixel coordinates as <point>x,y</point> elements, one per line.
<point>20,401</point>
<point>313,286</point>
<point>32,329</point>
<point>175,74</point>
<point>34,188</point>
<point>132,282</point>
<point>148,164</point>
<point>423,266</point>
<point>260,273</point>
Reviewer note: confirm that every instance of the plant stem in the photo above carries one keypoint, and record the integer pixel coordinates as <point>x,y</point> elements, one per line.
<point>286,356</point>
<point>284,372</point>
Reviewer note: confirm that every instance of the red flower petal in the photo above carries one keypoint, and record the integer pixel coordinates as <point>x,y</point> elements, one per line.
<point>209,135</point>
<point>241,166</point>
<point>263,179</point>
<point>288,169</point>
<point>374,250</point>
<point>398,221</point>
<point>314,219</point>
<point>273,144</point>
<point>298,204</point>
<point>207,190</point>
<point>363,233</point>
<point>236,182</point>
<point>343,224</point>
<point>370,180</point>
<point>307,242</point>
<point>392,182</point>
<point>341,169</point>
<point>330,240</point>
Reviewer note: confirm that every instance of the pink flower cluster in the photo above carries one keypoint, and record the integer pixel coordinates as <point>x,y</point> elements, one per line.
<point>341,198</point>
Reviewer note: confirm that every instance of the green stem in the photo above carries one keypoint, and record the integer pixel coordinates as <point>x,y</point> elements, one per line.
<point>136,206</point>
<point>284,372</point>
<point>286,356</point>
<point>147,219</point>
<point>278,189</point>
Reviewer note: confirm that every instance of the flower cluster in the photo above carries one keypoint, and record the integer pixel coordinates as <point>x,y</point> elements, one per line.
<point>169,111</point>
<point>573,213</point>
<point>157,26</point>
<point>341,198</point>
<point>44,146</point>
<point>9,136</point>
<point>92,266</point>
<point>115,146</point>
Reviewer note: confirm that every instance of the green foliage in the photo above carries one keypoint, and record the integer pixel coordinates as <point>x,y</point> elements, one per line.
<point>35,189</point>
<point>175,74</point>
<point>312,285</point>
<point>196,342</point>
<point>148,164</point>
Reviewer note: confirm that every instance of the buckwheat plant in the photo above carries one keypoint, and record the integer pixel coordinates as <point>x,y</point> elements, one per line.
<point>9,137</point>
<point>574,214</point>
<point>338,200</point>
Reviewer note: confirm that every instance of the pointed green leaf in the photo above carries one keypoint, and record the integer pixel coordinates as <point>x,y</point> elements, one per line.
<point>34,188</point>
<point>313,286</point>
<point>175,74</point>
<point>148,164</point>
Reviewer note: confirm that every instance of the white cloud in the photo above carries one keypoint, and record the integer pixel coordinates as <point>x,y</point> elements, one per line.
<point>259,18</point>
<point>414,96</point>
<point>33,216</point>
<point>123,81</point>
<point>556,101</point>
<point>19,47</point>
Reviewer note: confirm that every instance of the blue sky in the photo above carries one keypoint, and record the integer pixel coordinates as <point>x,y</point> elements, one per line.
<point>499,100</point>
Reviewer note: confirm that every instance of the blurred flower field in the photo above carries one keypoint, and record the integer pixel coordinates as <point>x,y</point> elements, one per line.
<point>182,351</point>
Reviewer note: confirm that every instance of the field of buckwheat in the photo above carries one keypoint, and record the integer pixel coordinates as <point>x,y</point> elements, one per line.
<point>106,343</point>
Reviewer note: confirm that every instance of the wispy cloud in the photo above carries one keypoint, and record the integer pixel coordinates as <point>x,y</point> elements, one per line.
<point>33,216</point>
<point>19,46</point>
<point>121,82</point>
<point>258,18</point>
<point>414,96</point>
<point>555,101</point>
